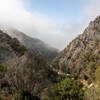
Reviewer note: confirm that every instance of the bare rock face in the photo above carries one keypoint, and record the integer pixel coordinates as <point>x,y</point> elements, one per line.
<point>72,58</point>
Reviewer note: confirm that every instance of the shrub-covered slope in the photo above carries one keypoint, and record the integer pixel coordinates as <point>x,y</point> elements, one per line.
<point>82,56</point>
<point>20,69</point>
<point>9,47</point>
<point>34,44</point>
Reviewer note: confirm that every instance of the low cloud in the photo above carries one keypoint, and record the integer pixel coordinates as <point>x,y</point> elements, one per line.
<point>14,14</point>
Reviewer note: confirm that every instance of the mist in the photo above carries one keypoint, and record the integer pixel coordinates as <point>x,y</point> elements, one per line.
<point>35,24</point>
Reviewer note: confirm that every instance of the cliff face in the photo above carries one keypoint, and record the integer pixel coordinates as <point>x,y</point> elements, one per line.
<point>81,56</point>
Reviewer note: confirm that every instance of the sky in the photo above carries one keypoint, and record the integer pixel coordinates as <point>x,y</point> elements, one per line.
<point>56,22</point>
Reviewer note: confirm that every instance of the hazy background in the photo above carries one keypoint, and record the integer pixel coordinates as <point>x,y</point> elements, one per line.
<point>56,22</point>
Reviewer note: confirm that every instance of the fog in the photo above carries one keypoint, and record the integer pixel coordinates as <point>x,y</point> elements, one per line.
<point>36,24</point>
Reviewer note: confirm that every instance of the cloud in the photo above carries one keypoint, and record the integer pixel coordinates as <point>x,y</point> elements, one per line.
<point>93,9</point>
<point>13,14</point>
<point>57,34</point>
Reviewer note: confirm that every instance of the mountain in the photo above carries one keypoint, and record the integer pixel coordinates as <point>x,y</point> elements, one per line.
<point>20,69</point>
<point>33,44</point>
<point>82,56</point>
<point>24,74</point>
<point>9,47</point>
<point>73,74</point>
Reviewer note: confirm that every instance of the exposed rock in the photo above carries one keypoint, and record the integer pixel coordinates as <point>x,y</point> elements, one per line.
<point>85,45</point>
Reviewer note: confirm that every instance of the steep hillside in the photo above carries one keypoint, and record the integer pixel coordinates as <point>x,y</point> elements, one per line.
<point>35,45</point>
<point>25,72</point>
<point>21,69</point>
<point>9,47</point>
<point>81,57</point>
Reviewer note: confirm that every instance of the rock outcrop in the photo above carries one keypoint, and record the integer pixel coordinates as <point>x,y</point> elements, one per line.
<point>81,56</point>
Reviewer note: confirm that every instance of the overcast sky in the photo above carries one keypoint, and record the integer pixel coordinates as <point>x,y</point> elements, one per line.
<point>56,22</point>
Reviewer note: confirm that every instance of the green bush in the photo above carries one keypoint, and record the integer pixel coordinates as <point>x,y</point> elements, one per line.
<point>92,65</point>
<point>3,69</point>
<point>17,47</point>
<point>93,93</point>
<point>68,89</point>
<point>54,76</point>
<point>25,94</point>
<point>89,82</point>
<point>97,74</point>
<point>87,55</point>
<point>2,97</point>
<point>55,64</point>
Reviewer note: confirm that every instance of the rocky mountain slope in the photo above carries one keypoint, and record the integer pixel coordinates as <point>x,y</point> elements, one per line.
<point>82,56</point>
<point>33,44</point>
<point>9,47</point>
<point>24,72</point>
<point>21,69</point>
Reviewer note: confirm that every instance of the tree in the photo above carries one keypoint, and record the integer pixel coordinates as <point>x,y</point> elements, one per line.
<point>24,94</point>
<point>68,89</point>
<point>93,93</point>
<point>3,69</point>
<point>97,74</point>
<point>17,47</point>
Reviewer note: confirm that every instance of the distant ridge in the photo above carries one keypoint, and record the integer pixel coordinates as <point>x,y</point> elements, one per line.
<point>33,44</point>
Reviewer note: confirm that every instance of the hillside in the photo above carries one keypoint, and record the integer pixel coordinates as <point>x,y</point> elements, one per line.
<point>33,44</point>
<point>74,74</point>
<point>21,70</point>
<point>9,47</point>
<point>81,57</point>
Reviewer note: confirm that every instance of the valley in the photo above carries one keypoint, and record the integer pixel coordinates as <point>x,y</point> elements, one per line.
<point>30,70</point>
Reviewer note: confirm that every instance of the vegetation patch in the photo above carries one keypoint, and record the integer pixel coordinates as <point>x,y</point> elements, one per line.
<point>24,94</point>
<point>17,47</point>
<point>67,89</point>
<point>3,69</point>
